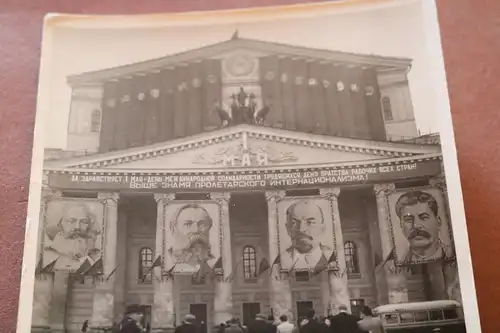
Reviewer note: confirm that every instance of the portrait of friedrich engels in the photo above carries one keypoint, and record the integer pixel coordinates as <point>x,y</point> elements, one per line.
<point>190,229</point>
<point>418,215</point>
<point>72,238</point>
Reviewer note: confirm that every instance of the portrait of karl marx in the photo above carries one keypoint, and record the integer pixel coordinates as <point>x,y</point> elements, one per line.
<point>190,229</point>
<point>72,238</point>
<point>305,224</point>
<point>418,214</point>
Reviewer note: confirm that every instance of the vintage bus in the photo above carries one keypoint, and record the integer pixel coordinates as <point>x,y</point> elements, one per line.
<point>422,317</point>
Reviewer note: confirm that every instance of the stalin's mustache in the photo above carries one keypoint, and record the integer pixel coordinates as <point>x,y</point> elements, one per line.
<point>300,235</point>
<point>418,233</point>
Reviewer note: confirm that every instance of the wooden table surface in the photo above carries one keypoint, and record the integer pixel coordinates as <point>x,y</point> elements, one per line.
<point>471,42</point>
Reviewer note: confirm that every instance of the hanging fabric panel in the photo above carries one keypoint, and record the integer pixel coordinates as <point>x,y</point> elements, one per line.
<point>343,85</point>
<point>269,72</point>
<point>356,89</point>
<point>373,104</point>
<point>317,101</point>
<point>287,93</point>
<point>195,98</point>
<point>329,79</point>
<point>136,110</point>
<point>121,138</point>
<point>180,101</point>
<point>300,88</point>
<point>167,104</point>
<point>152,106</point>
<point>109,113</point>
<point>212,92</point>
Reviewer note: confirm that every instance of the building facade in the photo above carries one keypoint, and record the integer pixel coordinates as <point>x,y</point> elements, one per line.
<point>267,147</point>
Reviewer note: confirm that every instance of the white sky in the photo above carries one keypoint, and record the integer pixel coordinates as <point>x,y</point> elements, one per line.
<point>396,31</point>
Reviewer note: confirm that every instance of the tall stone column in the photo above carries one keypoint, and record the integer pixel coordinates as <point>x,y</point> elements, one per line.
<point>163,306</point>
<point>44,282</point>
<point>394,276</point>
<point>103,303</point>
<point>337,275</point>
<point>449,269</point>
<point>279,284</point>
<point>223,300</point>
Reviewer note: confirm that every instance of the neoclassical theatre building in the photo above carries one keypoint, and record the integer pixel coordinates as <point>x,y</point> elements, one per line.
<point>240,178</point>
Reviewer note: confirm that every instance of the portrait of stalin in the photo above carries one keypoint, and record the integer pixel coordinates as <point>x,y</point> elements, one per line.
<point>418,214</point>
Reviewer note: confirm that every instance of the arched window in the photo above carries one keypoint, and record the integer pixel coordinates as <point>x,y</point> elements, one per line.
<point>249,263</point>
<point>387,108</point>
<point>351,258</point>
<point>95,121</point>
<point>145,263</point>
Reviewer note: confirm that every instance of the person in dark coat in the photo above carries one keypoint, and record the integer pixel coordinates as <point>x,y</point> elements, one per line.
<point>322,324</point>
<point>261,325</point>
<point>234,326</point>
<point>131,322</point>
<point>344,322</point>
<point>188,325</point>
<point>310,324</point>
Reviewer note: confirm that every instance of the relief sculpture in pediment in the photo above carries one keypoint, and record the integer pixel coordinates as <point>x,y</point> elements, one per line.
<point>239,155</point>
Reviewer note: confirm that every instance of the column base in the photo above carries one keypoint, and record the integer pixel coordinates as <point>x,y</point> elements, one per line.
<point>40,329</point>
<point>102,308</point>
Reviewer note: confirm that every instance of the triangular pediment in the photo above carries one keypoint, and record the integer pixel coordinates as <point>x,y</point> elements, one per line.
<point>246,146</point>
<point>256,47</point>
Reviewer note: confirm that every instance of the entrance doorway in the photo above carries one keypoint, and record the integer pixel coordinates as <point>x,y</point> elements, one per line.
<point>303,308</point>
<point>250,310</point>
<point>200,312</point>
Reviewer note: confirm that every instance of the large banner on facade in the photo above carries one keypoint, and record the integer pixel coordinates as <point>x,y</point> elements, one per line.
<point>244,180</point>
<point>305,232</point>
<point>193,236</point>
<point>420,226</point>
<point>72,232</point>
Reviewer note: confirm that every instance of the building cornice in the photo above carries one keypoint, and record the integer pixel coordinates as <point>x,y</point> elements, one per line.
<point>246,170</point>
<point>372,149</point>
<point>210,51</point>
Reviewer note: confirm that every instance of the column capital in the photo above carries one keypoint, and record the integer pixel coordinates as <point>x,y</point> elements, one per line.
<point>220,196</point>
<point>49,193</point>
<point>109,196</point>
<point>274,195</point>
<point>330,192</point>
<point>159,197</point>
<point>382,190</point>
<point>438,182</point>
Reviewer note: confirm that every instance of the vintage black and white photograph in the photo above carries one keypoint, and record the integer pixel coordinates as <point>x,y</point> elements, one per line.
<point>231,173</point>
<point>420,229</point>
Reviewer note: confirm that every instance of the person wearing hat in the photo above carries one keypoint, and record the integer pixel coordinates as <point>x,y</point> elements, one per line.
<point>131,322</point>
<point>344,322</point>
<point>261,325</point>
<point>188,325</point>
<point>234,326</point>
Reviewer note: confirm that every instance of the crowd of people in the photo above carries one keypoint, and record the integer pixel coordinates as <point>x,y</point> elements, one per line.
<point>343,322</point>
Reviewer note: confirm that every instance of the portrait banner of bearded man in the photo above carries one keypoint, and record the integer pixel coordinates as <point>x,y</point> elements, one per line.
<point>305,232</point>
<point>193,236</point>
<point>72,233</point>
<point>420,228</point>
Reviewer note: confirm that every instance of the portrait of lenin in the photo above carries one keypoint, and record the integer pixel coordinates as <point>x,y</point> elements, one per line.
<point>306,227</point>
